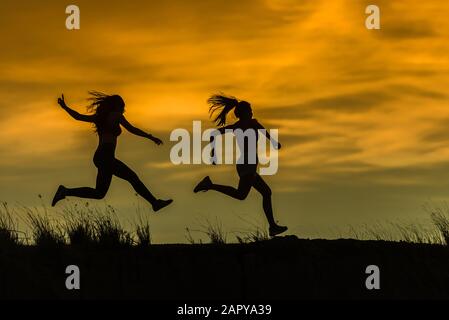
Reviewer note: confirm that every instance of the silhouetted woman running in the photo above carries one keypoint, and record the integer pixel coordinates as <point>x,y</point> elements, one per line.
<point>107,117</point>
<point>246,170</point>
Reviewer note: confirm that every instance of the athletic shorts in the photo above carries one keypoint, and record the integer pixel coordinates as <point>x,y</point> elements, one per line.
<point>246,169</point>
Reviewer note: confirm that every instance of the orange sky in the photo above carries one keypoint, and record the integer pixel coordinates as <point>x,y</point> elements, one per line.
<point>362,114</point>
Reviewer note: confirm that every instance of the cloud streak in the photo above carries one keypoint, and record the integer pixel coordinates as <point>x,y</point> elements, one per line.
<point>362,110</point>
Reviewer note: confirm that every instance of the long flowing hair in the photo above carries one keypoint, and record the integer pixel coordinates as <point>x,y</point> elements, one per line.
<point>101,105</point>
<point>223,105</point>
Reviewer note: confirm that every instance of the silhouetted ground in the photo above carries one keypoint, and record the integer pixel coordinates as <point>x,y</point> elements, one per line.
<point>282,268</point>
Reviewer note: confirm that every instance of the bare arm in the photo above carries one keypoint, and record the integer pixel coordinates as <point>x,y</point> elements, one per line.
<point>128,126</point>
<point>274,142</point>
<point>75,115</point>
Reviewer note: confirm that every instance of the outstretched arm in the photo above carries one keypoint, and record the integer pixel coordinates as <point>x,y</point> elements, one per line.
<point>273,141</point>
<point>75,115</point>
<point>128,126</point>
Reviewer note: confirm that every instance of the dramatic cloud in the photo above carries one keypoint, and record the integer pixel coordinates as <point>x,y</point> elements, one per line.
<point>362,114</point>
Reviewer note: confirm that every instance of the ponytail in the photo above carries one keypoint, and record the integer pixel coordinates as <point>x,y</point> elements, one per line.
<point>225,104</point>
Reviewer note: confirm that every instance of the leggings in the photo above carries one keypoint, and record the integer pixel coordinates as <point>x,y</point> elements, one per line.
<point>108,165</point>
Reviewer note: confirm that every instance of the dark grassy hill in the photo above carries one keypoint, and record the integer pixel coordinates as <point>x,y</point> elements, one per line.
<point>282,268</point>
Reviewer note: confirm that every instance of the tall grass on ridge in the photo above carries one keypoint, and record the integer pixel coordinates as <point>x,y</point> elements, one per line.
<point>46,232</point>
<point>9,234</point>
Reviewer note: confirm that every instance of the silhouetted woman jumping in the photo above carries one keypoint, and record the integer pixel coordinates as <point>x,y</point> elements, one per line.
<point>246,170</point>
<point>107,116</point>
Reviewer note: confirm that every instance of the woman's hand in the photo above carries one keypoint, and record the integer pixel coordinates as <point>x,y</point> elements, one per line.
<point>61,101</point>
<point>156,140</point>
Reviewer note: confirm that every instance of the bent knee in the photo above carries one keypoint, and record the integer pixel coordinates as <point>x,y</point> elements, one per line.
<point>241,196</point>
<point>100,194</point>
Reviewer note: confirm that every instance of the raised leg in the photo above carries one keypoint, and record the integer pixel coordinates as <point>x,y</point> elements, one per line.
<point>104,177</point>
<point>245,184</point>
